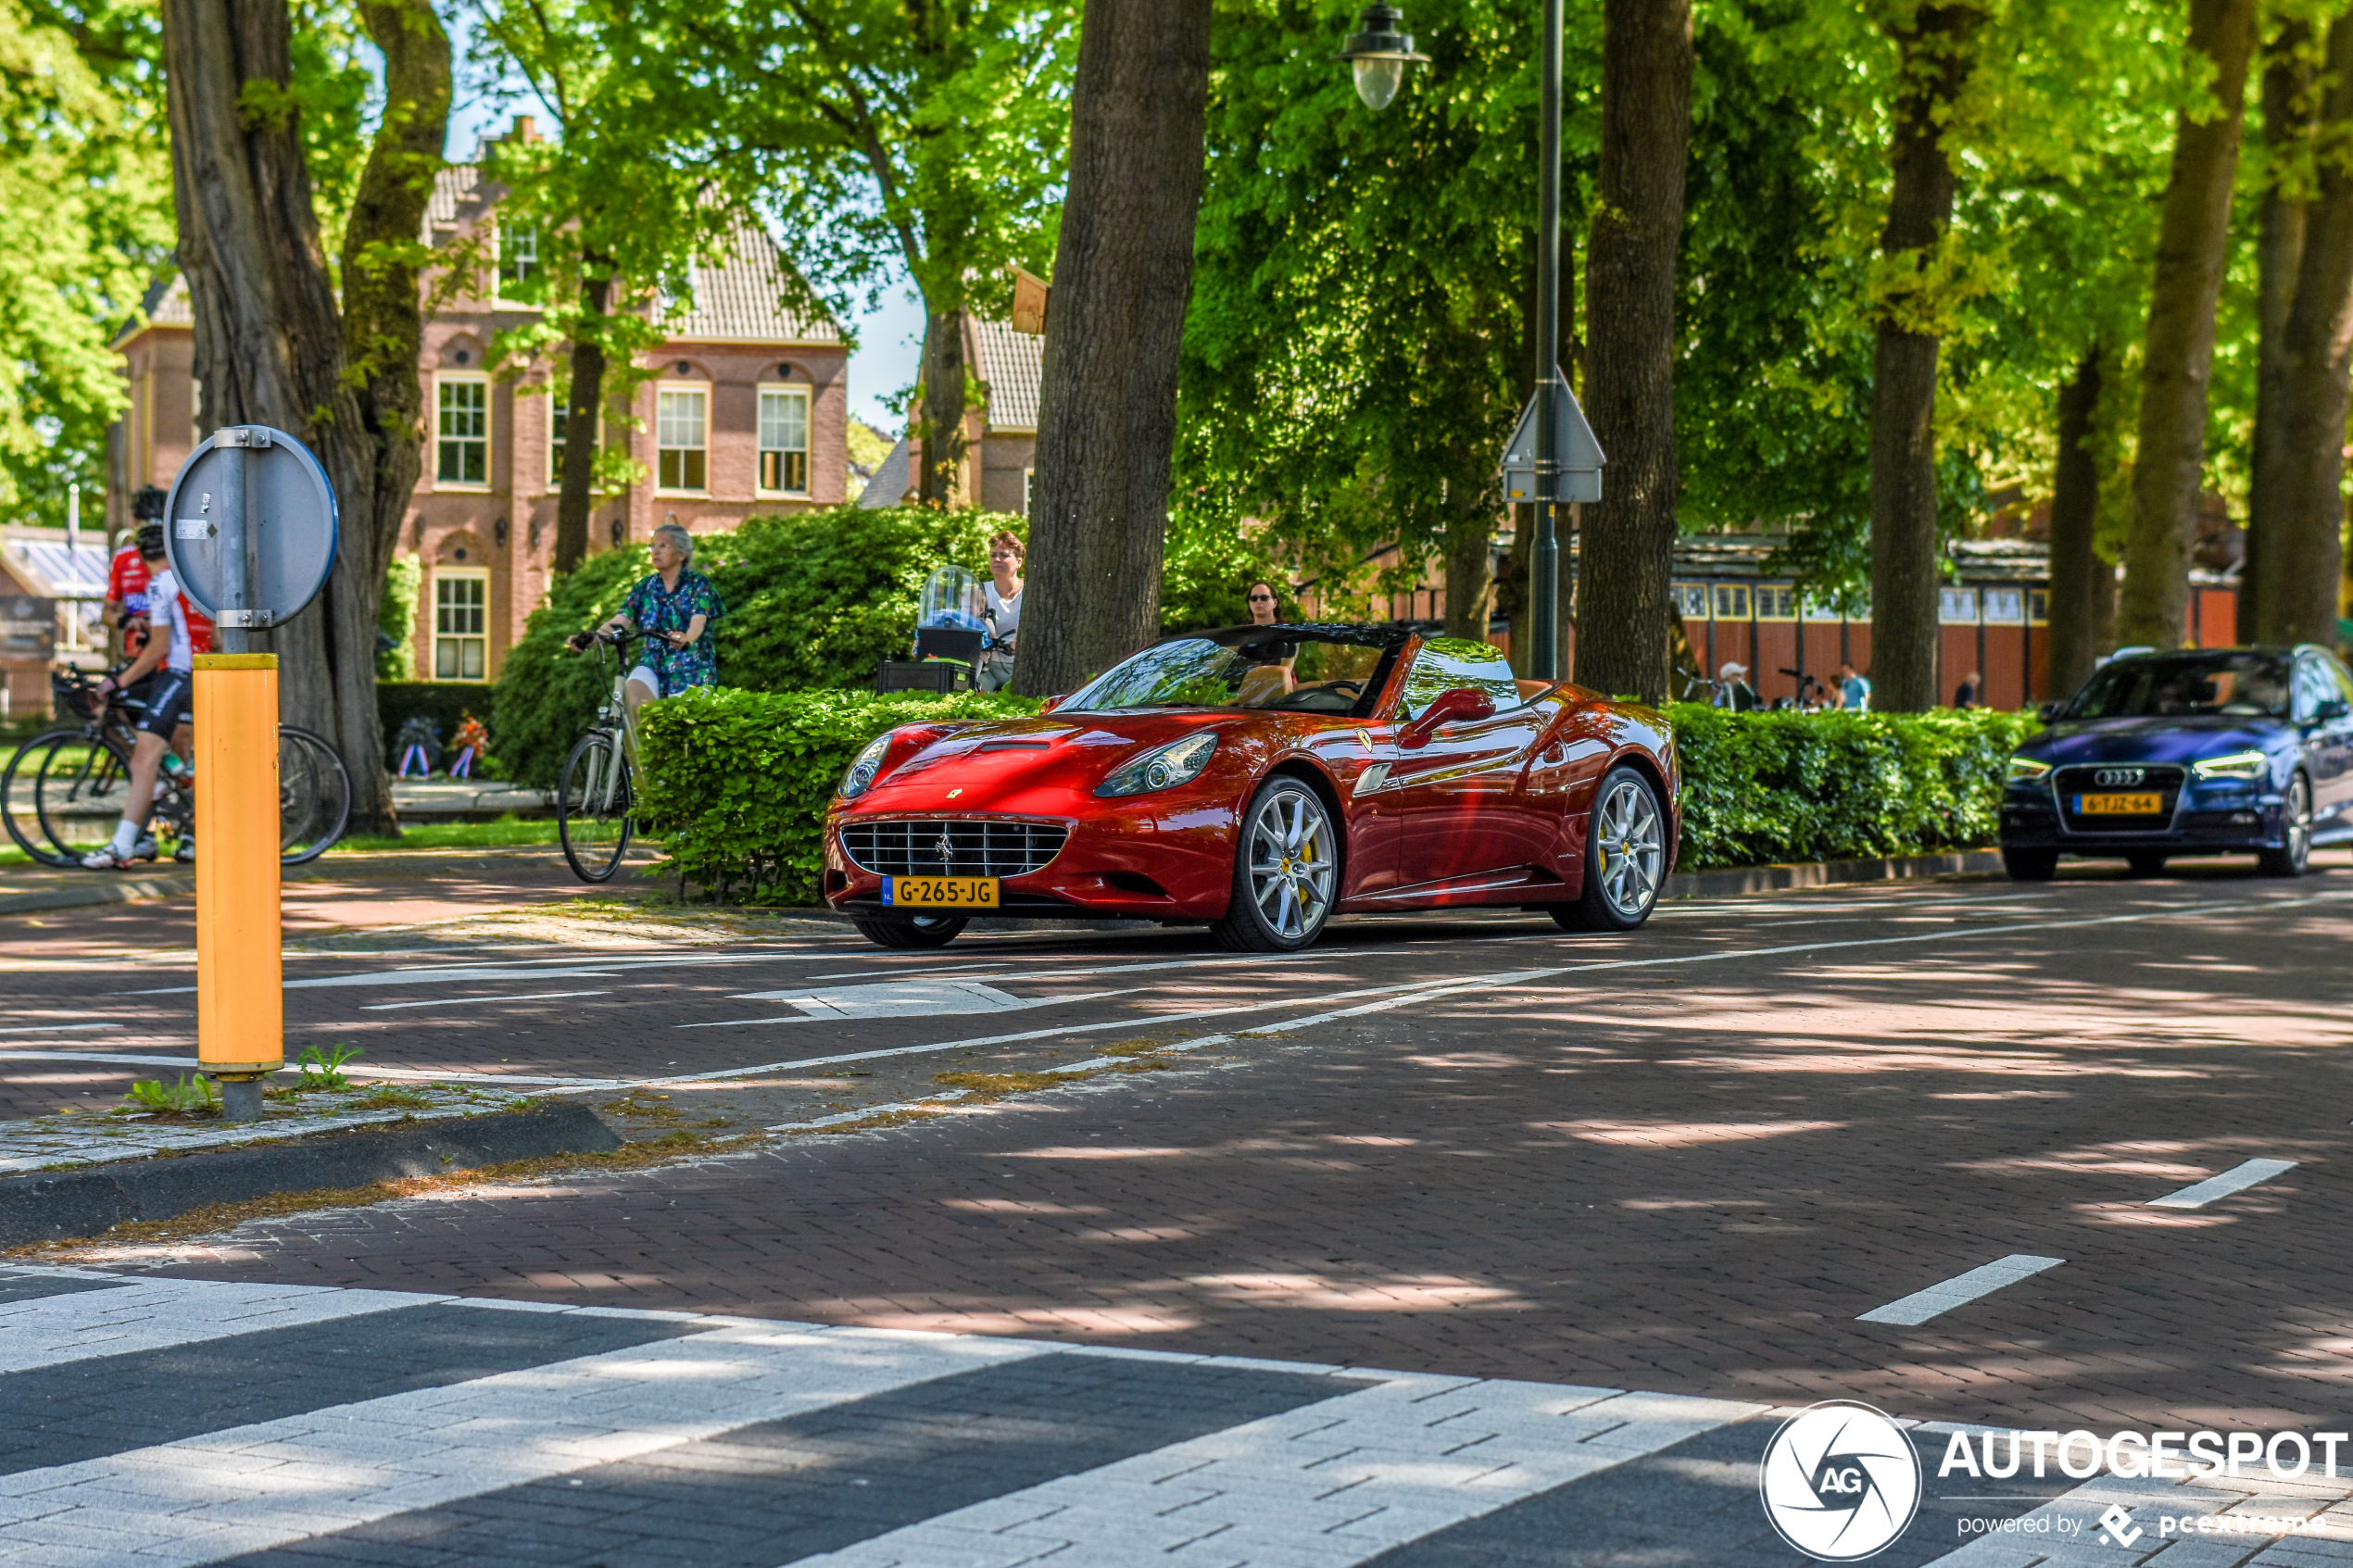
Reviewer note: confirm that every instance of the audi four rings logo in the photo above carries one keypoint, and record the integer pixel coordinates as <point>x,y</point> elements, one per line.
<point>2118,776</point>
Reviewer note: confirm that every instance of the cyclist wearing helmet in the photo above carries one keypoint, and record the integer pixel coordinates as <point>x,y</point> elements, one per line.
<point>172,647</point>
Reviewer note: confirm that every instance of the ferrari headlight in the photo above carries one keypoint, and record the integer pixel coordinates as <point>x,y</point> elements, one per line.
<point>2026,770</point>
<point>1164,766</point>
<point>861,777</point>
<point>2237,765</point>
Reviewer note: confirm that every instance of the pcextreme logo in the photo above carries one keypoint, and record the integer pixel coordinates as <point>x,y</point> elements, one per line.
<point>1840,1480</point>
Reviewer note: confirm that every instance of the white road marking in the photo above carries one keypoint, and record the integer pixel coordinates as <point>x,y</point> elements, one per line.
<point>440,974</point>
<point>2238,1178</point>
<point>272,1483</point>
<point>913,998</point>
<point>158,1314</point>
<point>101,1057</point>
<point>924,968</point>
<point>55,1028</point>
<point>1323,1485</point>
<point>460,1001</point>
<point>1960,1290</point>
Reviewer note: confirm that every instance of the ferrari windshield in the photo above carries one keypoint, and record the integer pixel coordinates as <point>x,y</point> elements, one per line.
<point>1267,667</point>
<point>2186,686</point>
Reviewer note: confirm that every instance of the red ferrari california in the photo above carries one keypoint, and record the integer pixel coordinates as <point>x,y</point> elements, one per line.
<point>1263,779</point>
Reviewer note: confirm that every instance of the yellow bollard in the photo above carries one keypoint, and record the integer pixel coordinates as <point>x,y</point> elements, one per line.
<point>239,967</point>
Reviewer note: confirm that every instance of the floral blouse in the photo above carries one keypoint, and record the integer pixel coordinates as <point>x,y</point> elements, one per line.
<point>653,609</point>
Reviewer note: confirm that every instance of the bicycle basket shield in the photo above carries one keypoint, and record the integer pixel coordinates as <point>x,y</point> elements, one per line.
<point>952,599</point>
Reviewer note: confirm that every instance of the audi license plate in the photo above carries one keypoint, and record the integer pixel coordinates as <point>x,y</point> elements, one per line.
<point>2118,804</point>
<point>940,892</point>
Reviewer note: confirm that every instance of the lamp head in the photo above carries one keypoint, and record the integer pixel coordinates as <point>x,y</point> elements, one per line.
<point>1378,52</point>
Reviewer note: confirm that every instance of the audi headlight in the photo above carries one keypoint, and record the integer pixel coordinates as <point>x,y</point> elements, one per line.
<point>2237,765</point>
<point>2026,770</point>
<point>1164,766</point>
<point>861,777</point>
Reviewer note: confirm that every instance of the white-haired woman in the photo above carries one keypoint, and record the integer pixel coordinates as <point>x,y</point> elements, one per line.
<point>675,607</point>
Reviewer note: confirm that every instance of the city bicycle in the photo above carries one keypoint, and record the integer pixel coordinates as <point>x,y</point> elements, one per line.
<point>596,792</point>
<point>64,789</point>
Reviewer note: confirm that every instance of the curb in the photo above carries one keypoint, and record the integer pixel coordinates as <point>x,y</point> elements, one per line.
<point>120,890</point>
<point>1828,873</point>
<point>51,1205</point>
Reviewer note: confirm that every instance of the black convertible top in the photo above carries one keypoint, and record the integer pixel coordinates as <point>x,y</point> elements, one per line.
<point>1359,636</point>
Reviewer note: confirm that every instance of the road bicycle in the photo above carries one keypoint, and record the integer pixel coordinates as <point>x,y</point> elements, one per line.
<point>596,791</point>
<point>64,789</point>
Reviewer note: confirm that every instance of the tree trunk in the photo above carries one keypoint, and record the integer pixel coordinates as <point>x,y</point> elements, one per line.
<point>1628,550</point>
<point>583,410</point>
<point>2302,560</point>
<point>1469,525</point>
<point>2075,505</point>
<point>940,483</point>
<point>1123,270</point>
<point>1934,63</point>
<point>269,343</point>
<point>383,335</point>
<point>2287,131</point>
<point>2192,230</point>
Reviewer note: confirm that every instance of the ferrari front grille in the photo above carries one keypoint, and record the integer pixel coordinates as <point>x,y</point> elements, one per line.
<point>983,846</point>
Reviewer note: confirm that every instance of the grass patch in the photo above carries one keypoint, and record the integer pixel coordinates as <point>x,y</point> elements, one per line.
<point>389,1098</point>
<point>644,1106</point>
<point>997,1086</point>
<point>508,829</point>
<point>1142,1046</point>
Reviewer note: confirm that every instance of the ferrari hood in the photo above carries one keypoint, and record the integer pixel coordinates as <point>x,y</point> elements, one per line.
<point>1021,764</point>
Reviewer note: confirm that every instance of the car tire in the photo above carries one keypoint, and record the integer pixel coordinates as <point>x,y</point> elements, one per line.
<point>1286,872</point>
<point>1625,857</point>
<point>919,930</point>
<point>2296,833</point>
<point>2030,865</point>
<point>2146,863</point>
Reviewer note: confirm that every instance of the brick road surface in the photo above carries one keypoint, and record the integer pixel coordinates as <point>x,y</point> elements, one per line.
<point>1683,1160</point>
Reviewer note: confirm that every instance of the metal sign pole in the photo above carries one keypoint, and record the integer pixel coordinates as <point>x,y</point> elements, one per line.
<point>1544,661</point>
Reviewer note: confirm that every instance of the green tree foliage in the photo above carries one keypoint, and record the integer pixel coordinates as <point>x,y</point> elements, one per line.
<point>86,199</point>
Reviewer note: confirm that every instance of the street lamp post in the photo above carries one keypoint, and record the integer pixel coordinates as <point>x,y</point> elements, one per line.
<point>1378,52</point>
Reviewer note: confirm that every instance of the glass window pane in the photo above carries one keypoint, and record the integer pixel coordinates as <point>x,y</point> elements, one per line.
<point>1444,663</point>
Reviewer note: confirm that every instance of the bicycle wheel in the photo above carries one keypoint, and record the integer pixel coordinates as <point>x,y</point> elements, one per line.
<point>16,796</point>
<point>79,787</point>
<point>592,807</point>
<point>314,796</point>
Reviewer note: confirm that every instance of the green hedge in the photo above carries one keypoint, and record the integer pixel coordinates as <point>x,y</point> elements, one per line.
<point>815,601</point>
<point>737,782</point>
<point>1766,788</point>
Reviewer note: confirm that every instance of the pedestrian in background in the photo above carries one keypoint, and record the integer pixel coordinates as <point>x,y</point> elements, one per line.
<point>1854,691</point>
<point>1732,689</point>
<point>1966,693</point>
<point>1007,556</point>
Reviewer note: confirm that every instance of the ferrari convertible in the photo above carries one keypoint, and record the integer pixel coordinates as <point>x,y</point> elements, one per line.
<point>1262,779</point>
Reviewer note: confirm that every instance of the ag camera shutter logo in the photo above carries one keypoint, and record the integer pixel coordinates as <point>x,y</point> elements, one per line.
<point>1840,1480</point>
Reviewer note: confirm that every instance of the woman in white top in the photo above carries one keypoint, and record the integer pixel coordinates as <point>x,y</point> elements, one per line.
<point>168,705</point>
<point>1006,557</point>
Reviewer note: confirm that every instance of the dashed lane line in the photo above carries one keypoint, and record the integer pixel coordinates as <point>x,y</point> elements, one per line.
<point>1911,1310</point>
<point>2238,1178</point>
<point>460,1001</point>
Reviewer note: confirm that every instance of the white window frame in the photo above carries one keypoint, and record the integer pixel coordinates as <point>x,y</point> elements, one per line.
<point>479,574</point>
<point>519,232</point>
<point>2003,606</point>
<point>1775,601</point>
<point>555,463</point>
<point>1692,600</point>
<point>1957,607</point>
<point>781,393</point>
<point>461,378</point>
<point>1028,485</point>
<point>700,389</point>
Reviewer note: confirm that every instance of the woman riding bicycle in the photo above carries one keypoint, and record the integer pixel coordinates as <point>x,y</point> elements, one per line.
<point>673,607</point>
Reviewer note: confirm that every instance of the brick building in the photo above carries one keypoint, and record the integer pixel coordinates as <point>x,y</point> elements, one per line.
<point>746,412</point>
<point>1001,430</point>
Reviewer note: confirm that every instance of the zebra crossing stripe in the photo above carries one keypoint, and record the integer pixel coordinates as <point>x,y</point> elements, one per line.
<point>158,1313</point>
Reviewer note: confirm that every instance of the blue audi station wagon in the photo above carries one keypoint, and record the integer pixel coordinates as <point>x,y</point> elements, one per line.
<point>2221,751</point>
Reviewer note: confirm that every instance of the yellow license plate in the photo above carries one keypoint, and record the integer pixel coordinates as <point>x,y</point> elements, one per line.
<point>2118,804</point>
<point>940,892</point>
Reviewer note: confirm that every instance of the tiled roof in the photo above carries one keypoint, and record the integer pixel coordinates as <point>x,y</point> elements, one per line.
<point>888,486</point>
<point>1009,362</point>
<point>38,558</point>
<point>452,185</point>
<point>742,298</point>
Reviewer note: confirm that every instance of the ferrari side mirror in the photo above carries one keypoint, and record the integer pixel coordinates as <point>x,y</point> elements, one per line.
<point>1452,706</point>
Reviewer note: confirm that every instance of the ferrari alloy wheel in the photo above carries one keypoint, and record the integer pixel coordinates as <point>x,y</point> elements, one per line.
<point>2296,833</point>
<point>921,931</point>
<point>1625,857</point>
<point>1286,872</point>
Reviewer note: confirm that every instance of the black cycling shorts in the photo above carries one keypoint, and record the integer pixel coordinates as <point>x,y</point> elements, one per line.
<point>168,703</point>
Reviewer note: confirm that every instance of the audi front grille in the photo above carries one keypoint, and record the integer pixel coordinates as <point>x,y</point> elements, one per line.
<point>2117,778</point>
<point>954,847</point>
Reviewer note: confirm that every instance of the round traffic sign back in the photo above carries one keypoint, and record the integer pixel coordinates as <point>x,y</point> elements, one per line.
<point>290,524</point>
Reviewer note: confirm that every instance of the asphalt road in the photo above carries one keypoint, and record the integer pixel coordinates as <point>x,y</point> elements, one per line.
<point>1687,1159</point>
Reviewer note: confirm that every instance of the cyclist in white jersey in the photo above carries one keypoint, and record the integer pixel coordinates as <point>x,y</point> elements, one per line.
<point>168,706</point>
